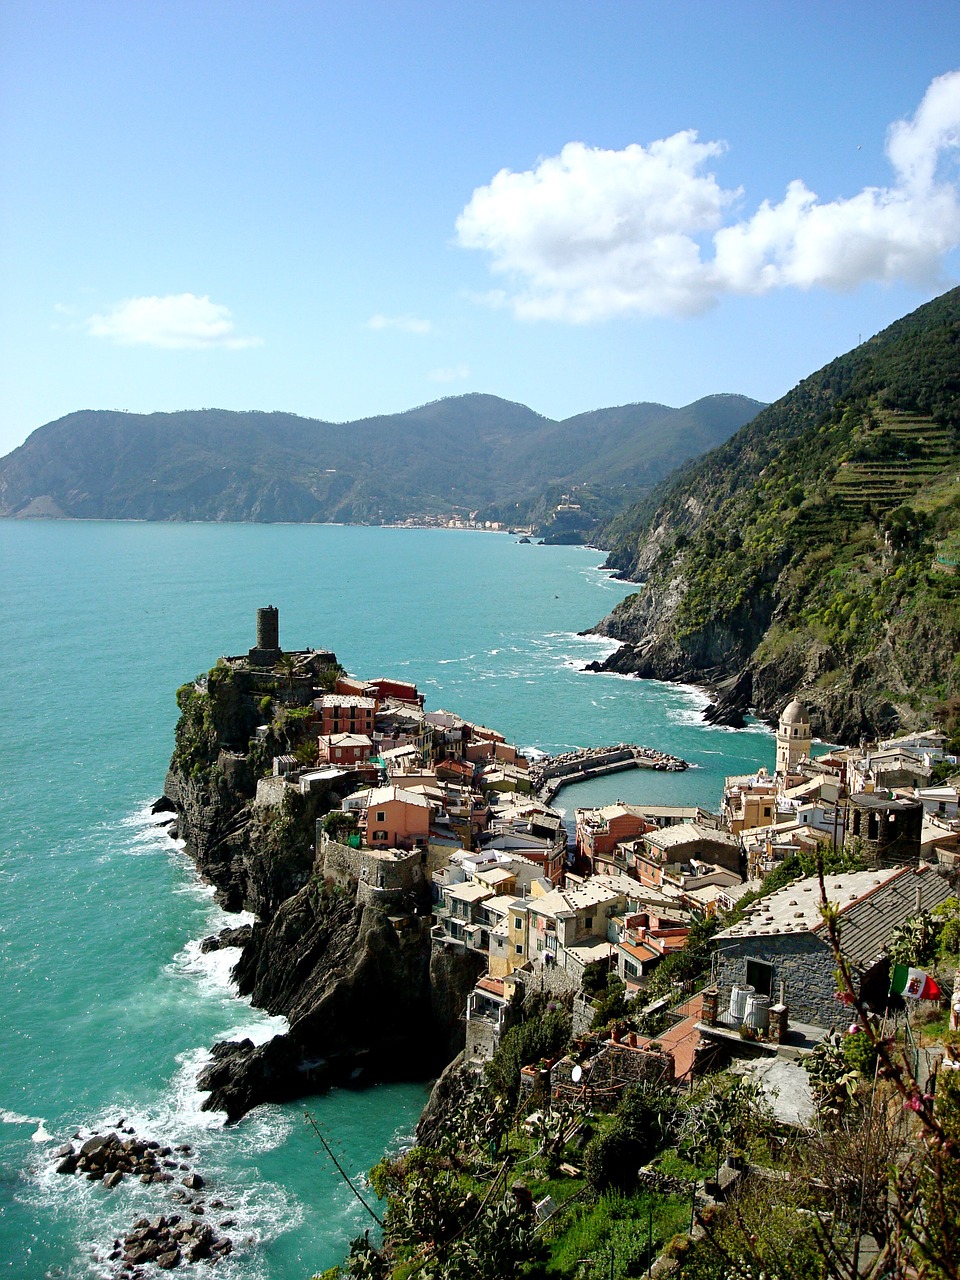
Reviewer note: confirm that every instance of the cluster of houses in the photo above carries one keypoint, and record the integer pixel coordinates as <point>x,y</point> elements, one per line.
<point>433,800</point>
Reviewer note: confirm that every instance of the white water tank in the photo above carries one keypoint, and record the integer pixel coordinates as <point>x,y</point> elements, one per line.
<point>738,1001</point>
<point>757,1013</point>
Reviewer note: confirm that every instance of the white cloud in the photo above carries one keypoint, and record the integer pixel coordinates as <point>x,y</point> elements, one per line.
<point>405,324</point>
<point>592,234</point>
<point>173,322</point>
<point>455,373</point>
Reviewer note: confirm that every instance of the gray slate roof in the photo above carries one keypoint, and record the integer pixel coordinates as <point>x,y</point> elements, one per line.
<point>871,904</point>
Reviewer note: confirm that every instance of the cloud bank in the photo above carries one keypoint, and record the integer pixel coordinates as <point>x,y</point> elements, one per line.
<point>174,322</point>
<point>591,234</point>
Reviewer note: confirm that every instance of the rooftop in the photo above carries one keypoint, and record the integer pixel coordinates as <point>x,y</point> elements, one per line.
<point>871,904</point>
<point>383,795</point>
<point>686,832</point>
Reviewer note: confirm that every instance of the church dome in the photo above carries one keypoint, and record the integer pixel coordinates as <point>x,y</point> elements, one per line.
<point>794,713</point>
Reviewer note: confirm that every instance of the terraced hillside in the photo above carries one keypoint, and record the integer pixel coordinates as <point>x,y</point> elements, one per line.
<point>817,550</point>
<point>920,447</point>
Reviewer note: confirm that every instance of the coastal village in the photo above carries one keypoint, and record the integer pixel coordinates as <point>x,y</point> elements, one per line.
<point>434,802</point>
<point>624,996</point>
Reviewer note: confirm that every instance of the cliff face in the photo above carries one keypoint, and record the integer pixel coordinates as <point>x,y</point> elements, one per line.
<point>816,552</point>
<point>256,857</point>
<point>356,992</point>
<point>365,996</point>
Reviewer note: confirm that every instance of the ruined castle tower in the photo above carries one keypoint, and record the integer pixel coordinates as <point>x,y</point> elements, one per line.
<point>268,627</point>
<point>267,651</point>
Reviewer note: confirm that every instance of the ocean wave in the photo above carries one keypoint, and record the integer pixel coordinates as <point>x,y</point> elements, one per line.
<point>13,1117</point>
<point>686,716</point>
<point>211,969</point>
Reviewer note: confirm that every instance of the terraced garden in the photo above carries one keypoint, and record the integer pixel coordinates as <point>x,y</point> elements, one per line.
<point>927,449</point>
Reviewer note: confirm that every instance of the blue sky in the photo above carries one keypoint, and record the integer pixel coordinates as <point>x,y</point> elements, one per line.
<point>342,209</point>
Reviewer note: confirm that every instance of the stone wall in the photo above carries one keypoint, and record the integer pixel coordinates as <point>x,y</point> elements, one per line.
<point>804,963</point>
<point>482,1039</point>
<point>554,980</point>
<point>270,791</point>
<point>384,878</point>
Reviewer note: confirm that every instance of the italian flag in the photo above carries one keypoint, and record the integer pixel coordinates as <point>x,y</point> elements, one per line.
<point>913,983</point>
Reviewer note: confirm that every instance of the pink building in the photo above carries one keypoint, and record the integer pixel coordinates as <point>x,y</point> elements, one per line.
<point>397,819</point>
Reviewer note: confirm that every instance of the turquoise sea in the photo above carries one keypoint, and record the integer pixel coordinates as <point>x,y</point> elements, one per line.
<point>107,1005</point>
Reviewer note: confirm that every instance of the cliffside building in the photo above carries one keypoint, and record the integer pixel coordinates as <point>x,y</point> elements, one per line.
<point>782,939</point>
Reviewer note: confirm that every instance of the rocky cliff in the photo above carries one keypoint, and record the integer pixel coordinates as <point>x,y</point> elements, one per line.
<point>365,995</point>
<point>815,553</point>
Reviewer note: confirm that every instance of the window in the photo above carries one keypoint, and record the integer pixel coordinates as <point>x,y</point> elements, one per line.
<point>380,835</point>
<point>381,815</point>
<point>588,922</point>
<point>518,922</point>
<point>630,968</point>
<point>518,949</point>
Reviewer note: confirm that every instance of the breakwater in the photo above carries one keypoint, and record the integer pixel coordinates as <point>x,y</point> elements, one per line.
<point>553,773</point>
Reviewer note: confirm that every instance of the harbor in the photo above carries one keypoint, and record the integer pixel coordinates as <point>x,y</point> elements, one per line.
<point>551,774</point>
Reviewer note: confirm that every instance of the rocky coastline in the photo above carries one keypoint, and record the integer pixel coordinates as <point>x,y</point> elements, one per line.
<point>365,996</point>
<point>181,1236</point>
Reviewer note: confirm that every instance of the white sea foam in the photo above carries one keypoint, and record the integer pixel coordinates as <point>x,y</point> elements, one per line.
<point>261,1210</point>
<point>259,1032</point>
<point>12,1117</point>
<point>211,969</point>
<point>41,1134</point>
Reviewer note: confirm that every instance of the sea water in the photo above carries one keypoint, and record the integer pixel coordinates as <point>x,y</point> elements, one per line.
<point>108,1006</point>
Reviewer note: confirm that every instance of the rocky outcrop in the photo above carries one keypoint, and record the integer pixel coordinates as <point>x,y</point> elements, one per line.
<point>365,999</point>
<point>747,673</point>
<point>167,1240</point>
<point>345,957</point>
<point>229,937</point>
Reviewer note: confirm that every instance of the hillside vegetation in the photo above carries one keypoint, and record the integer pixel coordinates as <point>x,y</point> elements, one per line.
<point>817,549</point>
<point>464,454</point>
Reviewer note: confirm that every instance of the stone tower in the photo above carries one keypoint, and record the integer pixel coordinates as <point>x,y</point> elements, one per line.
<point>268,627</point>
<point>885,831</point>
<point>793,736</point>
<point>267,652</point>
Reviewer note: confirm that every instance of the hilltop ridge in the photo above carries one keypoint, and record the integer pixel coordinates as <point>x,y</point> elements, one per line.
<point>816,550</point>
<point>455,456</point>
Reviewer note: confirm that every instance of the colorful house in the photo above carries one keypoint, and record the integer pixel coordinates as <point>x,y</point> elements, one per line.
<point>396,819</point>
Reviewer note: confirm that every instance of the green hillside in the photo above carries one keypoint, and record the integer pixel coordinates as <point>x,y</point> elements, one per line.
<point>454,456</point>
<point>814,550</point>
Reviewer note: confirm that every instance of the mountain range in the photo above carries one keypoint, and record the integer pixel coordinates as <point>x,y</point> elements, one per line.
<point>462,454</point>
